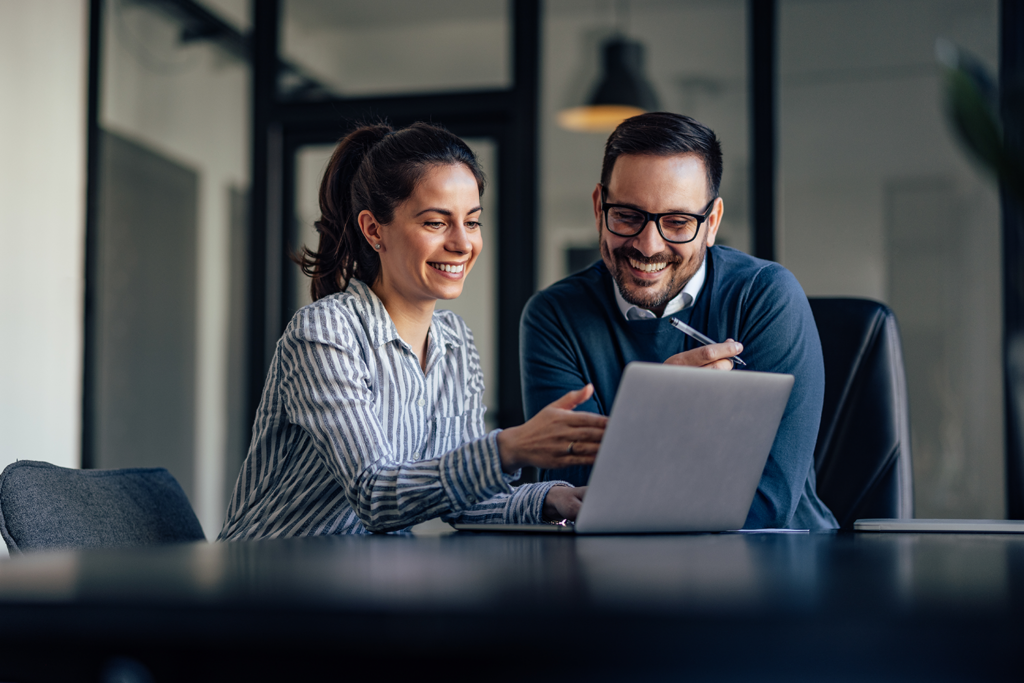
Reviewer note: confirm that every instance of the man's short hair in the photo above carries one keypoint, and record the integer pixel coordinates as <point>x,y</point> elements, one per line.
<point>665,134</point>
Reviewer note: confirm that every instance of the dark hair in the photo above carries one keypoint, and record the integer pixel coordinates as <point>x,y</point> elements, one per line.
<point>665,134</point>
<point>373,168</point>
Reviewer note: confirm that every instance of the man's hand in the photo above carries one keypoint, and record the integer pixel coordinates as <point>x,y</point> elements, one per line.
<point>563,502</point>
<point>555,437</point>
<point>714,356</point>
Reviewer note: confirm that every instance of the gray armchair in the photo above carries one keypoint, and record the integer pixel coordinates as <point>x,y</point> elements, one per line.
<point>43,506</point>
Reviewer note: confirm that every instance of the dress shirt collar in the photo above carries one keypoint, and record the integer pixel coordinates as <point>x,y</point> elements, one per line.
<point>679,302</point>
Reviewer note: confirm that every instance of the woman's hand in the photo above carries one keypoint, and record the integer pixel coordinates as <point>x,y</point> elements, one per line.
<point>563,502</point>
<point>555,437</point>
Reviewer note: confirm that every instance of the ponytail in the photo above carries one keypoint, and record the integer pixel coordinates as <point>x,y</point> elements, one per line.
<point>373,168</point>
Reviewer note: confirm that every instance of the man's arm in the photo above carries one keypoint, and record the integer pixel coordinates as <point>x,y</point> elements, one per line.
<point>550,366</point>
<point>549,358</point>
<point>779,335</point>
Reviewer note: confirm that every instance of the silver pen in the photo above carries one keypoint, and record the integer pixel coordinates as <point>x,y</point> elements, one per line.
<point>703,339</point>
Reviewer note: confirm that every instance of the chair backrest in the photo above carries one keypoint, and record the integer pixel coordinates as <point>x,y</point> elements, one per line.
<point>43,506</point>
<point>862,457</point>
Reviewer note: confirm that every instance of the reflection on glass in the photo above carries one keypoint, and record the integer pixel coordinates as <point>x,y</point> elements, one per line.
<point>700,72</point>
<point>351,48</point>
<point>879,201</point>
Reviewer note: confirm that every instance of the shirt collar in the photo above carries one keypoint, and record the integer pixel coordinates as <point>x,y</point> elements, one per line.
<point>679,302</point>
<point>444,333</point>
<point>380,328</point>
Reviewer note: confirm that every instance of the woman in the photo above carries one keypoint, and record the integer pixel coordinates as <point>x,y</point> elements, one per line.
<point>372,415</point>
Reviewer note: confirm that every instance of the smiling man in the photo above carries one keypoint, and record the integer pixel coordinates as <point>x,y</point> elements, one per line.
<point>658,212</point>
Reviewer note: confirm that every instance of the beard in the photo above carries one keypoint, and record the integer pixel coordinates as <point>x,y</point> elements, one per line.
<point>648,295</point>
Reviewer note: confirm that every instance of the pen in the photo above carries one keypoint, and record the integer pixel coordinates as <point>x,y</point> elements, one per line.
<point>705,340</point>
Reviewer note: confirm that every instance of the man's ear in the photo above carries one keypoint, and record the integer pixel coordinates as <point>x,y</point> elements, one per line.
<point>370,228</point>
<point>598,213</point>
<point>714,220</point>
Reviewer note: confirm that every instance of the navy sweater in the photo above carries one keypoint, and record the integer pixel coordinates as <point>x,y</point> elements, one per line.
<point>573,333</point>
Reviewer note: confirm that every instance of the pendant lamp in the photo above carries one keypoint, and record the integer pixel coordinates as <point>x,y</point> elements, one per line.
<point>622,91</point>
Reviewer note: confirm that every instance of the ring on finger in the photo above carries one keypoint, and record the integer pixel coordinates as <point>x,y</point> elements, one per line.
<point>569,450</point>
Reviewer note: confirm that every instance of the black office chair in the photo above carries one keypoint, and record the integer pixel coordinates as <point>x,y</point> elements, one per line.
<point>44,507</point>
<point>862,457</point>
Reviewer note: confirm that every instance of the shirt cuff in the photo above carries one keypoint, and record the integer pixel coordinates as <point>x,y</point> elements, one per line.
<point>472,473</point>
<point>509,478</point>
<point>526,505</point>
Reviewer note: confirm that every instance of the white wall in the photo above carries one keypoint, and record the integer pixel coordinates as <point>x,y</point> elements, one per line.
<point>43,72</point>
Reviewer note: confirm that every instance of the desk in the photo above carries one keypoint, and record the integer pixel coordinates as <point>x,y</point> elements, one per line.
<point>496,607</point>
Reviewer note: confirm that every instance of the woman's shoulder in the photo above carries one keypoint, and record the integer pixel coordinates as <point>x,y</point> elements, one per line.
<point>338,317</point>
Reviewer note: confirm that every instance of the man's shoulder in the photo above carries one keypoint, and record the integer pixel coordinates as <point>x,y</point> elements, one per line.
<point>735,263</point>
<point>739,271</point>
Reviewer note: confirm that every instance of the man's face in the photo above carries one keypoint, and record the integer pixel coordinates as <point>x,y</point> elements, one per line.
<point>648,270</point>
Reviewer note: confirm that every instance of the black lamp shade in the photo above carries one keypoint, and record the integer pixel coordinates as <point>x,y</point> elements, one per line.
<point>621,92</point>
<point>623,82</point>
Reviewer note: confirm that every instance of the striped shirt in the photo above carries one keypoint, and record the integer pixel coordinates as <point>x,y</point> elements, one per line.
<point>352,436</point>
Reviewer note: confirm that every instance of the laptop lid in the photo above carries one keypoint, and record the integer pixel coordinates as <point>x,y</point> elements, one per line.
<point>684,450</point>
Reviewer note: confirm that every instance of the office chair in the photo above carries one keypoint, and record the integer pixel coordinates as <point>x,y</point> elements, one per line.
<point>43,506</point>
<point>862,456</point>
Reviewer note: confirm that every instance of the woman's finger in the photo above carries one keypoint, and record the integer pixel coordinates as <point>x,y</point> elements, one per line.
<point>572,460</point>
<point>583,419</point>
<point>578,448</point>
<point>584,435</point>
<point>573,398</point>
<point>584,450</point>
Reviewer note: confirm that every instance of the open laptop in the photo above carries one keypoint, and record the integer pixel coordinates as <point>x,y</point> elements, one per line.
<point>683,451</point>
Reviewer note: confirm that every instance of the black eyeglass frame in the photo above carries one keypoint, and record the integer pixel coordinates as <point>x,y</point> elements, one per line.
<point>656,217</point>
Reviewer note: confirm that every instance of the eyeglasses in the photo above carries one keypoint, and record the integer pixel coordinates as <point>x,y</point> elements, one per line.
<point>628,221</point>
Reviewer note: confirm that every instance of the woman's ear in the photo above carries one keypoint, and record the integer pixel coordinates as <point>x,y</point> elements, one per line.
<point>370,228</point>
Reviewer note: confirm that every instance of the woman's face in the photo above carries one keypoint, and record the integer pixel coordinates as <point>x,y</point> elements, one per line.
<point>434,239</point>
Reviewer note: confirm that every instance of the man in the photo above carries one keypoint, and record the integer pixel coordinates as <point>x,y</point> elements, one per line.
<point>658,211</point>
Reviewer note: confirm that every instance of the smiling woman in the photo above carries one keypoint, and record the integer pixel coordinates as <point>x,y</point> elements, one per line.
<point>372,416</point>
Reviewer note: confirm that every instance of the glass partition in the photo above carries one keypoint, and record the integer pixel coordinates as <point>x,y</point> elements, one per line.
<point>696,61</point>
<point>878,200</point>
<point>168,309</point>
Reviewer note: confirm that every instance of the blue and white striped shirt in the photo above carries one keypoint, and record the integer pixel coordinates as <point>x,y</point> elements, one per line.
<point>352,436</point>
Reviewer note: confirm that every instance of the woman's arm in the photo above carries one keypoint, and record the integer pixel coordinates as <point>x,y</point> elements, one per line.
<point>327,385</point>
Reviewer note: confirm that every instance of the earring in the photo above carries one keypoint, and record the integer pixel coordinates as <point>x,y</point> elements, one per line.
<point>377,246</point>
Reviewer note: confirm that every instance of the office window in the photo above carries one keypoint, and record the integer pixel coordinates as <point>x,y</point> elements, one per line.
<point>349,48</point>
<point>877,199</point>
<point>696,60</point>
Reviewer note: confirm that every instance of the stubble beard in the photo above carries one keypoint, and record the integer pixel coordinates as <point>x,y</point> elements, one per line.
<point>641,293</point>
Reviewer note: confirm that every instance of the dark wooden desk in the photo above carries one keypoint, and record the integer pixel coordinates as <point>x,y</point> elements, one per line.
<point>487,607</point>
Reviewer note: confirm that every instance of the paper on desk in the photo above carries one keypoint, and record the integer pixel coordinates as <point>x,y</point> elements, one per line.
<point>768,531</point>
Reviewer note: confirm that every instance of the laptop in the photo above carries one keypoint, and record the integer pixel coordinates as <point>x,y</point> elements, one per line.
<point>953,526</point>
<point>683,451</point>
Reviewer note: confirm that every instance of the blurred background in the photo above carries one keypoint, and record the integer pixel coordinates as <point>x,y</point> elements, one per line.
<point>160,159</point>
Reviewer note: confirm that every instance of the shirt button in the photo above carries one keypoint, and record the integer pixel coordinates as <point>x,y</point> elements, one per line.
<point>421,403</point>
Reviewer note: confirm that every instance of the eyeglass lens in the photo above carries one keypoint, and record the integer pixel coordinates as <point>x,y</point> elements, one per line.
<point>676,227</point>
